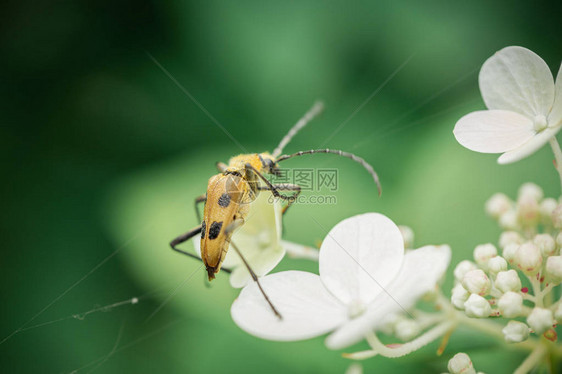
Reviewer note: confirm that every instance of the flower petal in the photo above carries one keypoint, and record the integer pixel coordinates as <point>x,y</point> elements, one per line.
<point>261,262</point>
<point>530,147</point>
<point>260,233</point>
<point>421,271</point>
<point>307,308</point>
<point>360,255</point>
<point>555,116</point>
<point>518,80</point>
<point>493,131</point>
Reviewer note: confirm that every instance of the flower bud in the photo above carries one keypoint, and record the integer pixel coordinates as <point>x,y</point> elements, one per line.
<point>556,217</point>
<point>508,281</point>
<point>406,329</point>
<point>476,281</point>
<point>509,252</point>
<point>527,211</point>
<point>484,252</point>
<point>459,296</point>
<point>558,313</point>
<point>408,235</point>
<point>510,304</point>
<point>554,269</point>
<point>508,220</point>
<point>497,264</point>
<point>477,307</point>
<point>545,243</point>
<point>531,191</point>
<point>497,205</point>
<point>540,320</point>
<point>460,364</point>
<point>546,208</point>
<point>515,332</point>
<point>559,240</point>
<point>462,268</point>
<point>528,258</point>
<point>510,237</point>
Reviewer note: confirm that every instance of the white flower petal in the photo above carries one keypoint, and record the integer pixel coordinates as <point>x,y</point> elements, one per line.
<point>493,131</point>
<point>261,232</point>
<point>518,80</point>
<point>422,269</point>
<point>529,147</point>
<point>360,255</point>
<point>307,308</point>
<point>261,262</point>
<point>555,116</point>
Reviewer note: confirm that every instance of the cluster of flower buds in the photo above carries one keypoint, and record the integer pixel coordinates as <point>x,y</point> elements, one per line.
<point>518,283</point>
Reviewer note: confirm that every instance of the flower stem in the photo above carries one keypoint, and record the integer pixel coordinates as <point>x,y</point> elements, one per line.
<point>411,346</point>
<point>557,156</point>
<point>532,360</point>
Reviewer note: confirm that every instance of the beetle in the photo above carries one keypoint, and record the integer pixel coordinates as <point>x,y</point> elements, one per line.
<point>230,193</point>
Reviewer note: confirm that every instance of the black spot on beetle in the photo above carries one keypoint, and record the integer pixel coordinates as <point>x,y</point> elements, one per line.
<point>203,229</point>
<point>224,200</point>
<point>214,230</point>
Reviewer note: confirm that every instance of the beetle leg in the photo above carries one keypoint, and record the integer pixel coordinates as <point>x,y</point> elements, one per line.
<point>285,187</point>
<point>268,184</point>
<point>255,278</point>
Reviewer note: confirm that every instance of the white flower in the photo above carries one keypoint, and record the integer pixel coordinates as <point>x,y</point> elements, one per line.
<point>540,320</point>
<point>531,190</point>
<point>515,332</point>
<point>476,281</point>
<point>528,258</point>
<point>364,277</point>
<point>510,237</point>
<point>459,296</point>
<point>497,205</point>
<point>462,268</point>
<point>509,220</point>
<point>460,364</point>
<point>509,252</point>
<point>525,106</point>
<point>556,217</point>
<point>554,269</point>
<point>259,240</point>
<point>508,281</point>
<point>511,304</point>
<point>545,243</point>
<point>546,208</point>
<point>477,306</point>
<point>354,368</point>
<point>484,252</point>
<point>497,264</point>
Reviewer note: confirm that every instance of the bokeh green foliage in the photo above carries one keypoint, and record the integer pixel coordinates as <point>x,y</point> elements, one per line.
<point>105,153</point>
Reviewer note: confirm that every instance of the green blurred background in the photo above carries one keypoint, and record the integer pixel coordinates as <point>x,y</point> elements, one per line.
<point>104,155</point>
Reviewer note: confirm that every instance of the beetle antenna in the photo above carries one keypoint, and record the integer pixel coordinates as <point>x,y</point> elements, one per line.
<point>316,109</point>
<point>355,158</point>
